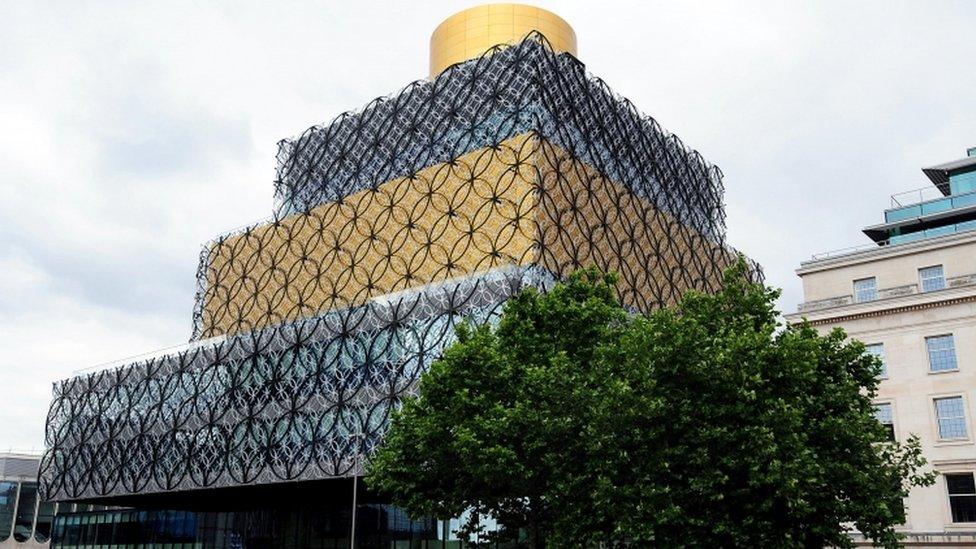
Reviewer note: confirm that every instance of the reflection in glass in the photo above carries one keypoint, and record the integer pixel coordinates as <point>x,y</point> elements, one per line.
<point>323,525</point>
<point>25,511</point>
<point>45,515</point>
<point>8,497</point>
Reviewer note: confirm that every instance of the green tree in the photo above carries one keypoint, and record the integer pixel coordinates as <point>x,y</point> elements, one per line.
<point>576,423</point>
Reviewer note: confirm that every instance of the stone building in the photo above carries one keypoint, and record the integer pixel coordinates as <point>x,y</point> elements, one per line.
<point>911,298</point>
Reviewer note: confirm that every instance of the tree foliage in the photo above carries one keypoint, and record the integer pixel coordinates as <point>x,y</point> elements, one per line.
<point>704,424</point>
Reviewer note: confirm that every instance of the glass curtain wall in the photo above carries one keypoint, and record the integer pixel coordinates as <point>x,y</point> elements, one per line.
<point>22,516</point>
<point>315,527</point>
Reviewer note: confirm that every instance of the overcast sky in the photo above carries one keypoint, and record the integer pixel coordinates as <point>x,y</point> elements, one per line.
<point>132,132</point>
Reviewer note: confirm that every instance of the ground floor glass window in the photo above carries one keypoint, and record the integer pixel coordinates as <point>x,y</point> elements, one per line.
<point>962,496</point>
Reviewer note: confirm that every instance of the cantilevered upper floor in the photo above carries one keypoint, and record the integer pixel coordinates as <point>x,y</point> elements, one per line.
<point>910,297</point>
<point>948,207</point>
<point>924,252</point>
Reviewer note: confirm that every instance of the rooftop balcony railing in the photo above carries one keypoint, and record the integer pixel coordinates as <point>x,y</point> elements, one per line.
<point>848,251</point>
<point>906,238</point>
<point>915,196</point>
<point>902,206</point>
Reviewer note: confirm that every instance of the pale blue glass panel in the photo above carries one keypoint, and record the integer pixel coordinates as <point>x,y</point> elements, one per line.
<point>967,199</point>
<point>939,231</point>
<point>910,237</point>
<point>963,182</point>
<point>936,206</point>
<point>908,212</point>
<point>966,226</point>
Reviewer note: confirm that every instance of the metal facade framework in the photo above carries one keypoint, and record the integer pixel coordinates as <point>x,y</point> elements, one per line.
<point>392,224</point>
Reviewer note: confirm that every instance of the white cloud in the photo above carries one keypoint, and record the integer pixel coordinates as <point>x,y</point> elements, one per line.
<point>131,133</point>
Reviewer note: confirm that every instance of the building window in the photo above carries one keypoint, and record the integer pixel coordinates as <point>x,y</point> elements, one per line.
<point>962,496</point>
<point>8,498</point>
<point>951,415</point>
<point>932,278</point>
<point>24,521</point>
<point>885,417</point>
<point>877,349</point>
<point>865,289</point>
<point>45,516</point>
<point>942,353</point>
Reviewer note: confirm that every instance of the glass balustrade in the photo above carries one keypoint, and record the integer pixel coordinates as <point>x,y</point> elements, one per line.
<point>930,207</point>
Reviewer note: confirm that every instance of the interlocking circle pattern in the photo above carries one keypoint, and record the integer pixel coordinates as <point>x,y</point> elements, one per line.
<point>391,225</point>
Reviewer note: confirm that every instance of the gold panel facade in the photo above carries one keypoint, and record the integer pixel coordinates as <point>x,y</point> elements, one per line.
<point>586,219</point>
<point>469,33</point>
<point>523,202</point>
<point>447,220</point>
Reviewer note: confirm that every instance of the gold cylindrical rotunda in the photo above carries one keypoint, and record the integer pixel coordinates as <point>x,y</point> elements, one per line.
<point>469,33</point>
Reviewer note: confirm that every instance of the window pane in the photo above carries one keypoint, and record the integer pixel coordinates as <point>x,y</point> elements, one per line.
<point>8,496</point>
<point>884,415</point>
<point>59,528</point>
<point>942,353</point>
<point>932,278</point>
<point>963,508</point>
<point>45,514</point>
<point>865,289</point>
<point>25,511</point>
<point>951,416</point>
<point>877,349</point>
<point>883,412</point>
<point>961,484</point>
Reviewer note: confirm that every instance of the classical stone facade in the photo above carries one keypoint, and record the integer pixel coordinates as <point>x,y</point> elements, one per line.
<point>913,303</point>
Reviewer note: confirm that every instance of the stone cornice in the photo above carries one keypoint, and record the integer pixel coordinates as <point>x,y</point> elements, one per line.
<point>840,316</point>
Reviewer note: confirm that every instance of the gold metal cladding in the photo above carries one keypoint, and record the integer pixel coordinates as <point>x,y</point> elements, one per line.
<point>469,33</point>
<point>523,202</point>
<point>586,219</point>
<point>447,220</point>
